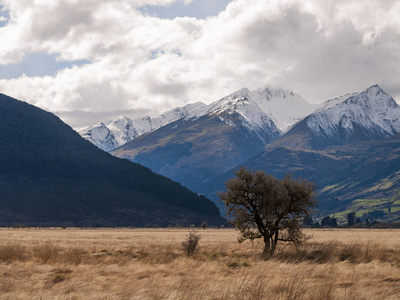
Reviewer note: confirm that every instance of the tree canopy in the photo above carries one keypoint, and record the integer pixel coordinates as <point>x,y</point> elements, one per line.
<point>262,206</point>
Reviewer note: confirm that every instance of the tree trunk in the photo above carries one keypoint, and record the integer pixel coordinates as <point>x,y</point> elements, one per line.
<point>273,247</point>
<point>267,245</point>
<point>274,241</point>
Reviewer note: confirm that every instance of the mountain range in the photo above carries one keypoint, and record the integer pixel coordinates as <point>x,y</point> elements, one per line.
<point>51,176</point>
<point>348,145</point>
<point>121,130</point>
<point>258,107</point>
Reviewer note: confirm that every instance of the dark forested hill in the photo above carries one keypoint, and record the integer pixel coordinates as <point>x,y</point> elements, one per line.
<point>49,175</point>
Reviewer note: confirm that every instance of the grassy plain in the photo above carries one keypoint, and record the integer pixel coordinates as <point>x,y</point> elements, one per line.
<point>151,264</point>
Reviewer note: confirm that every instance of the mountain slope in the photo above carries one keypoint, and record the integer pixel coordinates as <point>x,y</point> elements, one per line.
<point>195,152</point>
<point>362,176</point>
<point>368,116</point>
<point>362,170</point>
<point>350,148</point>
<point>49,175</point>
<point>195,149</point>
<point>121,130</point>
<point>284,108</point>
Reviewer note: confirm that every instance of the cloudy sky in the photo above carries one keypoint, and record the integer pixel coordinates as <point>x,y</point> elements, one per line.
<point>91,60</point>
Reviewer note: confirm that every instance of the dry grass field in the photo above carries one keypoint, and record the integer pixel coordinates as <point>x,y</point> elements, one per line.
<point>151,264</point>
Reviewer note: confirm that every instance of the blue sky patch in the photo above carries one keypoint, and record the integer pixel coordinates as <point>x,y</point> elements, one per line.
<point>36,64</point>
<point>199,9</point>
<point>4,16</point>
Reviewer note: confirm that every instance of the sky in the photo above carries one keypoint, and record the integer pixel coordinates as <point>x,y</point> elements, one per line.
<point>92,60</point>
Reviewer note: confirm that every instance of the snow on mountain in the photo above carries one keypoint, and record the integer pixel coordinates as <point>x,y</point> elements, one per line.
<point>333,102</point>
<point>372,112</point>
<point>122,129</point>
<point>261,109</point>
<point>284,108</point>
<point>241,103</point>
<point>99,135</point>
<point>176,114</point>
<point>206,142</point>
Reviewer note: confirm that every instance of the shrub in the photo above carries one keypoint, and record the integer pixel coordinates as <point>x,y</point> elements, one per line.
<point>204,225</point>
<point>191,243</point>
<point>58,278</point>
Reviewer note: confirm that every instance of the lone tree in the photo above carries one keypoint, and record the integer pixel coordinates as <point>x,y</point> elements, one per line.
<point>261,206</point>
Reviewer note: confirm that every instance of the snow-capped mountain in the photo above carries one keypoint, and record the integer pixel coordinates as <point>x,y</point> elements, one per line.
<point>348,148</point>
<point>123,129</point>
<point>208,141</point>
<point>148,124</point>
<point>241,103</point>
<point>115,133</point>
<point>99,135</point>
<point>260,110</point>
<point>246,105</point>
<point>284,108</point>
<point>333,102</point>
<point>111,135</point>
<point>371,114</point>
<point>367,116</point>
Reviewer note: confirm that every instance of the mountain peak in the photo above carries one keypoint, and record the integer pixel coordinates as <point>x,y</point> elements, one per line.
<point>123,129</point>
<point>373,97</point>
<point>335,101</point>
<point>374,90</point>
<point>243,92</point>
<point>369,115</point>
<point>374,87</point>
<point>269,92</point>
<point>122,118</point>
<point>284,107</point>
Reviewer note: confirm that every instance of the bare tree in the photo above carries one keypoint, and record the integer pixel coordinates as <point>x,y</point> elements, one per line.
<point>261,206</point>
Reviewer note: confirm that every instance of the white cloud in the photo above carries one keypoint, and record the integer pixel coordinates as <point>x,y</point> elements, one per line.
<point>319,49</point>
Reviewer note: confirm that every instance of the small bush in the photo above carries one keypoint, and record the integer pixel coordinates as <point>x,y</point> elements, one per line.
<point>233,264</point>
<point>191,243</point>
<point>57,278</point>
<point>60,275</point>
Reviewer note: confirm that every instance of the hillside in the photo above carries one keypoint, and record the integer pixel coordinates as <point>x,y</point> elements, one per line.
<point>281,107</point>
<point>193,150</point>
<point>371,115</point>
<point>49,175</point>
<point>361,177</point>
<point>350,148</point>
<point>115,133</point>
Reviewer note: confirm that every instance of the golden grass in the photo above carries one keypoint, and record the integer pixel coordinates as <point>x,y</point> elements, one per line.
<point>151,264</point>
